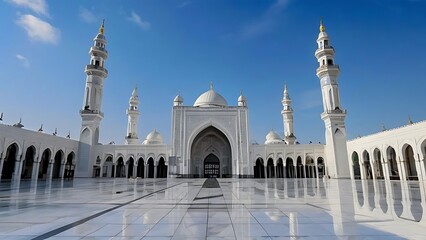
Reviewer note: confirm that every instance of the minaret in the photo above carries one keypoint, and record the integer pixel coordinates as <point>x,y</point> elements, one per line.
<point>133,117</point>
<point>287,113</point>
<point>91,113</point>
<point>334,116</point>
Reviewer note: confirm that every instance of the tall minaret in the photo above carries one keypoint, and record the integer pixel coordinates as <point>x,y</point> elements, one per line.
<point>334,116</point>
<point>287,113</point>
<point>133,117</point>
<point>91,113</point>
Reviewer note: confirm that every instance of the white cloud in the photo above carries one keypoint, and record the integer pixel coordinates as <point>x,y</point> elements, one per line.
<point>87,15</point>
<point>266,22</point>
<point>23,60</point>
<point>135,18</point>
<point>38,6</point>
<point>39,30</point>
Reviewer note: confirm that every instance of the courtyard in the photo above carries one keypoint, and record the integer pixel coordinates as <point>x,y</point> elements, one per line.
<point>108,208</point>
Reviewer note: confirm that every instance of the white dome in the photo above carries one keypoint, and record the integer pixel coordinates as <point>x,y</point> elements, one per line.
<point>273,138</point>
<point>241,98</point>
<point>210,99</point>
<point>153,137</point>
<point>178,98</point>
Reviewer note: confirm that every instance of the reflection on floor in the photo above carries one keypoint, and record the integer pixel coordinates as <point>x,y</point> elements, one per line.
<point>238,209</point>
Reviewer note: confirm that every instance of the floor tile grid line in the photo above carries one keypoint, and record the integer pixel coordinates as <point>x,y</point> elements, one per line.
<point>175,208</point>
<point>291,234</point>
<point>227,209</point>
<point>79,222</point>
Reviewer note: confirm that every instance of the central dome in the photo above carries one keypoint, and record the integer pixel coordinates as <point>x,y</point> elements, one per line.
<point>210,99</point>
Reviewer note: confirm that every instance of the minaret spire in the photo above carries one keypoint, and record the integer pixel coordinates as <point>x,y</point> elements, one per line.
<point>102,28</point>
<point>133,118</point>
<point>334,115</point>
<point>287,113</point>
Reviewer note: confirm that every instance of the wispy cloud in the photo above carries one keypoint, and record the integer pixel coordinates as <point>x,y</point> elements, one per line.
<point>135,18</point>
<point>266,22</point>
<point>23,60</point>
<point>39,30</point>
<point>184,4</point>
<point>87,15</point>
<point>38,6</point>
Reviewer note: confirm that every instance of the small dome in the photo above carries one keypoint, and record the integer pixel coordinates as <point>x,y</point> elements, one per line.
<point>153,137</point>
<point>210,99</point>
<point>241,98</point>
<point>273,138</point>
<point>178,98</point>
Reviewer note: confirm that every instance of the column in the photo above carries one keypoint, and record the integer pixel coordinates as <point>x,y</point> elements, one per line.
<point>101,172</point>
<point>145,169</point>
<point>62,171</point>
<point>50,169</point>
<point>36,169</point>
<point>18,169</point>
<point>401,168</point>
<point>155,171</point>
<point>275,171</point>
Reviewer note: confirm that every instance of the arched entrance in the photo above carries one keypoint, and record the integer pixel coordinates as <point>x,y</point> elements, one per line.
<point>27,169</point>
<point>150,168</point>
<point>259,169</point>
<point>120,168</point>
<point>161,168</point>
<point>130,164</point>
<point>141,168</point>
<point>211,166</point>
<point>210,141</point>
<point>57,164</point>
<point>44,164</point>
<point>367,165</point>
<point>9,162</point>
<point>355,164</point>
<point>410,163</point>
<point>69,167</point>
<point>393,165</point>
<point>280,168</point>
<point>270,173</point>
<point>289,168</point>
<point>321,167</point>
<point>378,169</point>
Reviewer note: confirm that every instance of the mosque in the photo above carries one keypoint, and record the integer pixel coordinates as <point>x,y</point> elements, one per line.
<point>210,138</point>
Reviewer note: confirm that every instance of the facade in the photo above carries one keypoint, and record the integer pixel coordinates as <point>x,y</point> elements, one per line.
<point>210,138</point>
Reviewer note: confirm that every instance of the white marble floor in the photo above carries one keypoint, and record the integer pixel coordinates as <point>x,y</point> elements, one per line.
<point>239,209</point>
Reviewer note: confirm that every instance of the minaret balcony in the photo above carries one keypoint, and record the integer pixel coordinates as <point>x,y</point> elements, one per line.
<point>96,69</point>
<point>328,68</point>
<point>91,112</point>
<point>324,51</point>
<point>95,50</point>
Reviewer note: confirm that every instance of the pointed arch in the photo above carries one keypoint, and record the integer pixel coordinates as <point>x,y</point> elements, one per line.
<point>259,168</point>
<point>9,161</point>
<point>28,162</point>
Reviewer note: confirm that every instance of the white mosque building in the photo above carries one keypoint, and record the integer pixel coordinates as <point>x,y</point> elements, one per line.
<point>210,138</point>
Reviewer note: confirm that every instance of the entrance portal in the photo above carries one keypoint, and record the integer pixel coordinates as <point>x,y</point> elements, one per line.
<point>210,154</point>
<point>211,166</point>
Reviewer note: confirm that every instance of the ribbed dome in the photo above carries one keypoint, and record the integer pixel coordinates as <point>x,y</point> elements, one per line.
<point>210,99</point>
<point>153,137</point>
<point>273,138</point>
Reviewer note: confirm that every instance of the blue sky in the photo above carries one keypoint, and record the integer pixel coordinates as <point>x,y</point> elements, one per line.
<point>180,46</point>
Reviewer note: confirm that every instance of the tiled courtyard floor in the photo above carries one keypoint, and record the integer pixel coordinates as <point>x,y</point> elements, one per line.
<point>239,209</point>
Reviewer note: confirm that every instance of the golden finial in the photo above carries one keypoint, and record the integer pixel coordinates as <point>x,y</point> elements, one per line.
<point>102,28</point>
<point>322,27</point>
<point>211,85</point>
